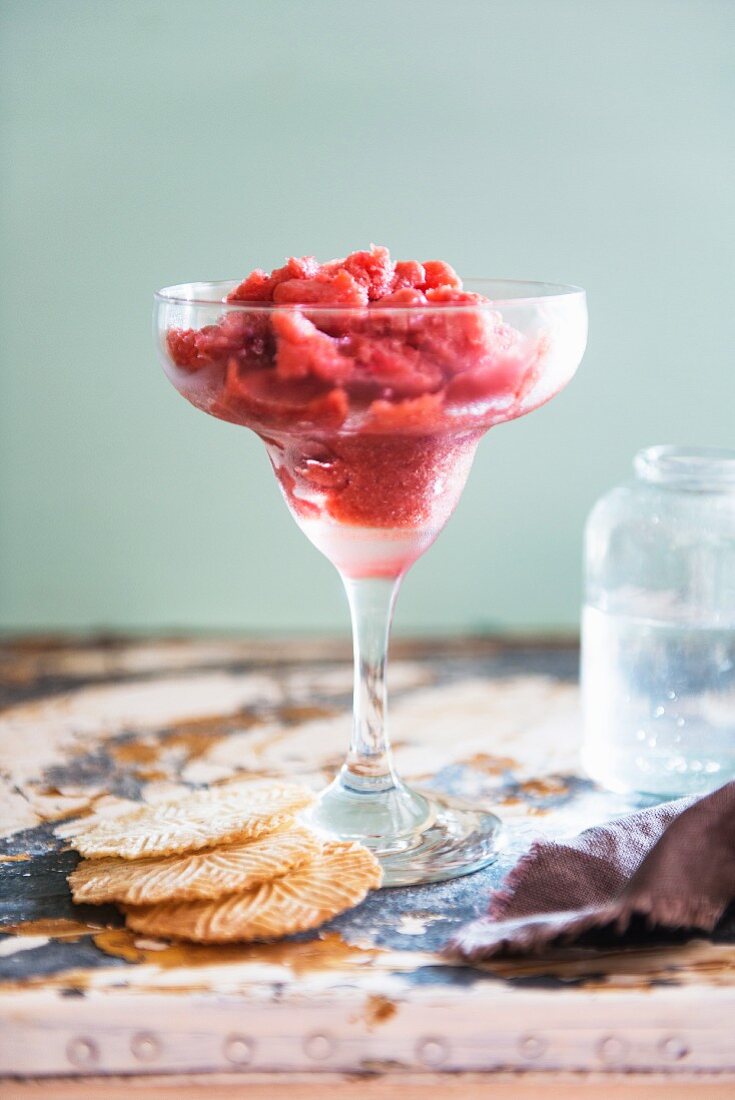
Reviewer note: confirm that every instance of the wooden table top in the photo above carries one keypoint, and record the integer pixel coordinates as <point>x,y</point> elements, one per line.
<point>86,725</point>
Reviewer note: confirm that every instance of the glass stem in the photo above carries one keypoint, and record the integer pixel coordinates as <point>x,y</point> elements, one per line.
<point>369,766</point>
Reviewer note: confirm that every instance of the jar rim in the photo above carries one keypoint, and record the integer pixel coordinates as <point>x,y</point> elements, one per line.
<point>706,469</point>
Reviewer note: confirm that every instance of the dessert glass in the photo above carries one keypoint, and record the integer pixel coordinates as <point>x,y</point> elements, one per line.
<point>371,418</point>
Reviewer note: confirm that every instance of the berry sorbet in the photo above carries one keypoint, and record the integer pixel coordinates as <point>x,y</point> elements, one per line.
<point>371,382</point>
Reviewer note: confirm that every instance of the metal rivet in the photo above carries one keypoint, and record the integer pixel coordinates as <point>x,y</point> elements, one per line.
<point>532,1046</point>
<point>674,1048</point>
<point>145,1046</point>
<point>82,1052</point>
<point>612,1049</point>
<point>319,1047</point>
<point>239,1049</point>
<point>432,1051</point>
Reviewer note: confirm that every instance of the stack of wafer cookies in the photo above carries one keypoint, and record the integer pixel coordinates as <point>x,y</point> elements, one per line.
<point>231,864</point>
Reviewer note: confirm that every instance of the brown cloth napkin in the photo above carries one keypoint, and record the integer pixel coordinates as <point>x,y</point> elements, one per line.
<point>672,864</point>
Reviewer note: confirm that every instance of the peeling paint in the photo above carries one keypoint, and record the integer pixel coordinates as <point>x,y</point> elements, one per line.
<point>379,1009</point>
<point>178,714</point>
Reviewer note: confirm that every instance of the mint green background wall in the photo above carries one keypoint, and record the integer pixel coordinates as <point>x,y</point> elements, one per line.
<point>147,142</point>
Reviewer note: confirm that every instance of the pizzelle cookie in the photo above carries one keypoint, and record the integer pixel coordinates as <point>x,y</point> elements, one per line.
<point>336,879</point>
<point>203,819</point>
<point>210,873</point>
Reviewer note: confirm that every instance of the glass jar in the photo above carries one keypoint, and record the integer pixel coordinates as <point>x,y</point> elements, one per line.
<point>658,626</point>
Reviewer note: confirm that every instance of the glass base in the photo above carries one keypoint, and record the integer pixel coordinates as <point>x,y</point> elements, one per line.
<point>418,836</point>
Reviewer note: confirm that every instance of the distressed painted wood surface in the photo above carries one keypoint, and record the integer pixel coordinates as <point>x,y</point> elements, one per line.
<point>85,728</point>
<point>413,1086</point>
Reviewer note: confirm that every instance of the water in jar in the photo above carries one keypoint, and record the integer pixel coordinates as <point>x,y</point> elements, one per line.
<point>659,700</point>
